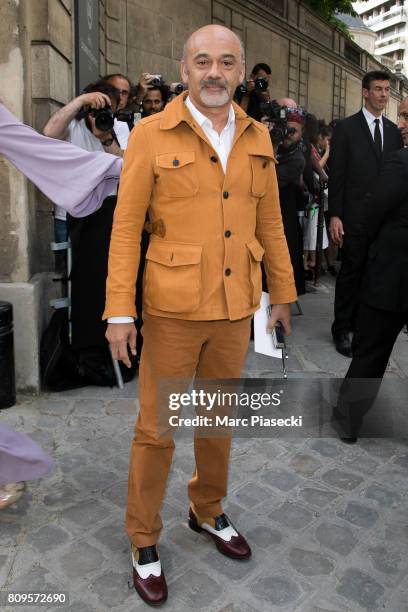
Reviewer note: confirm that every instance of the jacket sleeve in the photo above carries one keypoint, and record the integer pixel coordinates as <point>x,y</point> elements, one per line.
<point>270,233</point>
<point>338,170</point>
<point>135,190</point>
<point>389,191</point>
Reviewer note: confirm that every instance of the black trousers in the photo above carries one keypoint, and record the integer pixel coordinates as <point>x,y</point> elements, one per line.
<point>348,283</point>
<point>374,337</point>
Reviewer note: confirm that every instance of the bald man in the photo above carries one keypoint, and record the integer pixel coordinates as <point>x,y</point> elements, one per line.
<point>205,173</point>
<point>383,309</point>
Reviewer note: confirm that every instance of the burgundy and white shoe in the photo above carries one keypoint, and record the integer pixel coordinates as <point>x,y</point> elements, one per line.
<point>220,529</point>
<point>148,577</point>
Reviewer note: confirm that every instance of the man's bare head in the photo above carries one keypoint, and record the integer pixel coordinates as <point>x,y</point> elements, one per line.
<point>214,30</point>
<point>213,66</point>
<point>403,120</point>
<point>287,102</point>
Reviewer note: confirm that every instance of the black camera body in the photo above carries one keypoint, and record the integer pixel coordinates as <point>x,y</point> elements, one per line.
<point>260,83</point>
<point>278,115</point>
<point>105,117</point>
<point>157,80</point>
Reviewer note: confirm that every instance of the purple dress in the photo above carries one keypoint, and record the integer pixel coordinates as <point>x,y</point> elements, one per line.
<point>75,179</point>
<point>20,457</point>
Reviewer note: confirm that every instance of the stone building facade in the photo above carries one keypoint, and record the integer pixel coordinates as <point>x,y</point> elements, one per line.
<point>312,62</point>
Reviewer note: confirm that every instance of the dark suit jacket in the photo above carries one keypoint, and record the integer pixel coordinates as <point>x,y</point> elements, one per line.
<point>385,281</point>
<point>355,164</point>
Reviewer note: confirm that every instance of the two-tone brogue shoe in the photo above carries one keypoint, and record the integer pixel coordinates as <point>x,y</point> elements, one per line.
<point>148,577</point>
<point>220,529</point>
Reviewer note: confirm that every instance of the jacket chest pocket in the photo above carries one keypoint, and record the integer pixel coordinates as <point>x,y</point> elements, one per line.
<point>172,280</point>
<point>260,168</point>
<point>177,174</point>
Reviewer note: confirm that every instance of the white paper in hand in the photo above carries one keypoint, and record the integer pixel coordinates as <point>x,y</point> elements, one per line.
<point>263,339</point>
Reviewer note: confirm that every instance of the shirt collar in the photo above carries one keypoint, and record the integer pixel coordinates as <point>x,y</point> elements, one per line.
<point>202,119</point>
<point>370,117</point>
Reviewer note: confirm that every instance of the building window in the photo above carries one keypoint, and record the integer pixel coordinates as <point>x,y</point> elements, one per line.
<point>352,53</point>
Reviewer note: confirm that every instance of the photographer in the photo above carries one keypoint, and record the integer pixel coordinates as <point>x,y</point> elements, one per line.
<point>255,91</point>
<point>124,124</point>
<point>77,123</point>
<point>286,130</point>
<point>150,94</point>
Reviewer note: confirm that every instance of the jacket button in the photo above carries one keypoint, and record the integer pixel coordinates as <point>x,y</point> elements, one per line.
<point>227,234</point>
<point>227,272</point>
<point>214,158</point>
<point>176,162</point>
<point>225,195</point>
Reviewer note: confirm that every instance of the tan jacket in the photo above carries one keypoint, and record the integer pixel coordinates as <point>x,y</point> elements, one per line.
<point>210,230</point>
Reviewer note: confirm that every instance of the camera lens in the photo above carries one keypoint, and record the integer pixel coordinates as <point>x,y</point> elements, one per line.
<point>179,88</point>
<point>104,119</point>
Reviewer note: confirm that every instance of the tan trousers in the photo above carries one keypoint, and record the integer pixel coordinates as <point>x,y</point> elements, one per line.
<point>175,348</point>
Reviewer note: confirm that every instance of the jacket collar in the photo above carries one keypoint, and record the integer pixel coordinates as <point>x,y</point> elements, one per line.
<point>176,112</point>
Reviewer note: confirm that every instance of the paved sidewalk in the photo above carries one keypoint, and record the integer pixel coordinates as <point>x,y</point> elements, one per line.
<point>328,523</point>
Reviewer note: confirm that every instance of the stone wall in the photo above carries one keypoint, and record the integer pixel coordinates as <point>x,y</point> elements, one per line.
<point>312,62</point>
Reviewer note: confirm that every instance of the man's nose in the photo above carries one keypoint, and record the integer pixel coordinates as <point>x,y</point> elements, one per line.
<point>214,71</point>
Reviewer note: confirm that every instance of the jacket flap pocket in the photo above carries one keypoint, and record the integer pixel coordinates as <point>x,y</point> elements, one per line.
<point>174,253</point>
<point>264,152</point>
<point>175,160</point>
<point>256,250</point>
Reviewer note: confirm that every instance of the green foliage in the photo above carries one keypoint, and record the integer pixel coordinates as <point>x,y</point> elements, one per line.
<point>328,8</point>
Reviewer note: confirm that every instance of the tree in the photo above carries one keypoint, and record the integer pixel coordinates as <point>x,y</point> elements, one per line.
<point>328,9</point>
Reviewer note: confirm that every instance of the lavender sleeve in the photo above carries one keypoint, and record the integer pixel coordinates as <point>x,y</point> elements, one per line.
<point>75,179</point>
<point>20,457</point>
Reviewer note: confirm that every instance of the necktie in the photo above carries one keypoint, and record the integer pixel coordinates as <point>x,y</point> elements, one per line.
<point>377,137</point>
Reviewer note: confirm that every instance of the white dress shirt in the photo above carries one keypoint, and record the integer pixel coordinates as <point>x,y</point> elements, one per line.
<point>370,118</point>
<point>222,144</point>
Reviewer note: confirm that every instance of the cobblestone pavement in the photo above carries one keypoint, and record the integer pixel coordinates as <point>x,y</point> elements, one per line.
<point>327,522</point>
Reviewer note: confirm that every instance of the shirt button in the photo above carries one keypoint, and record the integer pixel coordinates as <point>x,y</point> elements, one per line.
<point>214,158</point>
<point>227,234</point>
<point>225,195</point>
<point>227,272</point>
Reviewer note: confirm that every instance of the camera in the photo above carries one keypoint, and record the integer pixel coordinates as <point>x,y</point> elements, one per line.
<point>179,88</point>
<point>278,115</point>
<point>157,80</point>
<point>260,83</point>
<point>104,118</point>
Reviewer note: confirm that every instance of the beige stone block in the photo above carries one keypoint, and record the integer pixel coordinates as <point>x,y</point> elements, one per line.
<point>50,74</point>
<point>113,30</point>
<point>113,8</point>
<point>237,20</point>
<point>51,22</point>
<point>113,52</point>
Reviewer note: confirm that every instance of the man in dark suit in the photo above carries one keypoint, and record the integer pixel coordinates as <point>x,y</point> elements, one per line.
<point>383,309</point>
<point>358,147</point>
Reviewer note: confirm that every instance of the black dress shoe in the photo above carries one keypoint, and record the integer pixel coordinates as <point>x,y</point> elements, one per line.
<point>148,577</point>
<point>220,529</point>
<point>349,440</point>
<point>342,342</point>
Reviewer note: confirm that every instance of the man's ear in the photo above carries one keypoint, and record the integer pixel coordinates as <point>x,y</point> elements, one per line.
<point>184,72</point>
<point>242,74</point>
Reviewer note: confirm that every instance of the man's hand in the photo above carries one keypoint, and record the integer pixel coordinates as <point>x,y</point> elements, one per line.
<point>280,312</point>
<point>120,336</point>
<point>336,230</point>
<point>95,99</point>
